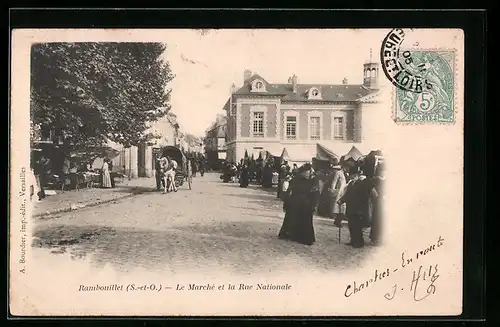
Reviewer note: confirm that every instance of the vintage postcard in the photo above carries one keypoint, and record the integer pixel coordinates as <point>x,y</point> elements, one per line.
<point>236,172</point>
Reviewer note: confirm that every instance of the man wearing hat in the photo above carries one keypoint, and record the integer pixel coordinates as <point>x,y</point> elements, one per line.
<point>336,189</point>
<point>158,172</point>
<point>356,197</point>
<point>378,200</point>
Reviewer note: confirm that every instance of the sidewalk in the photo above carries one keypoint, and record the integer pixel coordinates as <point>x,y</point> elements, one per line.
<point>74,200</point>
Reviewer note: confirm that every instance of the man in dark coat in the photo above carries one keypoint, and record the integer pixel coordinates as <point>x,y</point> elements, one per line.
<point>158,173</point>
<point>195,168</point>
<point>377,200</point>
<point>39,171</point>
<point>356,197</point>
<point>202,167</point>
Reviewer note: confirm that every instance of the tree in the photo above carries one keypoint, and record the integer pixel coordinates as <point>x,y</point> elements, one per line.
<point>92,92</point>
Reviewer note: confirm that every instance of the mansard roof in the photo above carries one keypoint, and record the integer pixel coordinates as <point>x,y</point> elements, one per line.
<point>329,92</point>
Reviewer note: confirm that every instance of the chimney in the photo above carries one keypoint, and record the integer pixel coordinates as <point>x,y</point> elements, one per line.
<point>246,75</point>
<point>233,88</point>
<point>344,81</point>
<point>294,83</point>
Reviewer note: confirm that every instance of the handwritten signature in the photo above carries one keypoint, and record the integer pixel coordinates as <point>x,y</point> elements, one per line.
<point>429,275</point>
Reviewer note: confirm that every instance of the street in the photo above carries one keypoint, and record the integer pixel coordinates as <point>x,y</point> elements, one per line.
<point>213,226</point>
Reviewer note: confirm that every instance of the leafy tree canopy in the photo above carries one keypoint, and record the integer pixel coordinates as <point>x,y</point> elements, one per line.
<point>90,92</point>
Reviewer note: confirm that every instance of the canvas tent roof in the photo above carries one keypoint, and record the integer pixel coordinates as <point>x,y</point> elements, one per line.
<point>274,150</point>
<point>326,151</point>
<point>297,154</point>
<point>264,152</point>
<point>354,153</point>
<point>284,155</point>
<point>330,150</point>
<point>254,153</point>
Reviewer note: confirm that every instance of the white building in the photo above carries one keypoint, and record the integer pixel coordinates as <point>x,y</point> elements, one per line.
<point>138,161</point>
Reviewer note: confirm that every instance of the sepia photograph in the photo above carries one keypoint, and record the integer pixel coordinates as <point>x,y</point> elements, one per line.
<point>189,172</point>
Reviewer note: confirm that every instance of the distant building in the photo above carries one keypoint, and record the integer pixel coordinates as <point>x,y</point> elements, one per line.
<point>266,116</point>
<point>193,144</point>
<point>215,141</point>
<point>138,161</point>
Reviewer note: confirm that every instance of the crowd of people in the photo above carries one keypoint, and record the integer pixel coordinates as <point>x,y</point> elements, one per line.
<point>247,171</point>
<point>71,174</point>
<point>343,191</point>
<point>351,192</point>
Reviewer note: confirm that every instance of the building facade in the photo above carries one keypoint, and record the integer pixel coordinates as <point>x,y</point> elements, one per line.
<point>271,117</point>
<point>215,142</point>
<point>138,161</point>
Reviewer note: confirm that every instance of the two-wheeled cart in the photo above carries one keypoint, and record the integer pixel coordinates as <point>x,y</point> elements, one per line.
<point>181,173</point>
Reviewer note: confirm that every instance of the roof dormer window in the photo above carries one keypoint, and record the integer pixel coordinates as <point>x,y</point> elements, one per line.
<point>314,93</point>
<point>258,86</point>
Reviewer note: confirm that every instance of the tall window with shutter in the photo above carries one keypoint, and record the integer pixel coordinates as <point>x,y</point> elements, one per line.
<point>314,128</point>
<point>339,127</point>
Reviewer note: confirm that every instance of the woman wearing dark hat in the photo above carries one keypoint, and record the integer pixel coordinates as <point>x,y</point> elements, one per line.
<point>244,175</point>
<point>299,205</point>
<point>267,176</point>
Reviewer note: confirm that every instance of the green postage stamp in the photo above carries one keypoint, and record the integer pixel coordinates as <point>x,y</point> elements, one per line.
<point>435,103</point>
<point>424,81</point>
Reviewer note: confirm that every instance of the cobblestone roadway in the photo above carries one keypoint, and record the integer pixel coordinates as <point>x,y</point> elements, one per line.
<point>213,226</point>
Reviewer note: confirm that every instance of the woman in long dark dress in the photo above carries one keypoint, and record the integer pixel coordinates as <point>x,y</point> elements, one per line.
<point>300,202</point>
<point>226,173</point>
<point>267,176</point>
<point>244,176</point>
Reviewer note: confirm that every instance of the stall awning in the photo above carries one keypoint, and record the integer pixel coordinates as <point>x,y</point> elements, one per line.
<point>354,153</point>
<point>284,155</point>
<point>327,152</point>
<point>274,150</point>
<point>298,154</point>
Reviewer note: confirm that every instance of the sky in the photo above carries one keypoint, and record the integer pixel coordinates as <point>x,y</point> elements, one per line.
<point>207,65</point>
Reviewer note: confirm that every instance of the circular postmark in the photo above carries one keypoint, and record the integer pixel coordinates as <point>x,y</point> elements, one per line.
<point>398,65</point>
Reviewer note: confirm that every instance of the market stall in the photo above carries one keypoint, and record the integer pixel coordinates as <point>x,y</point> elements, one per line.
<point>329,151</point>
<point>298,155</point>
<point>371,161</point>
